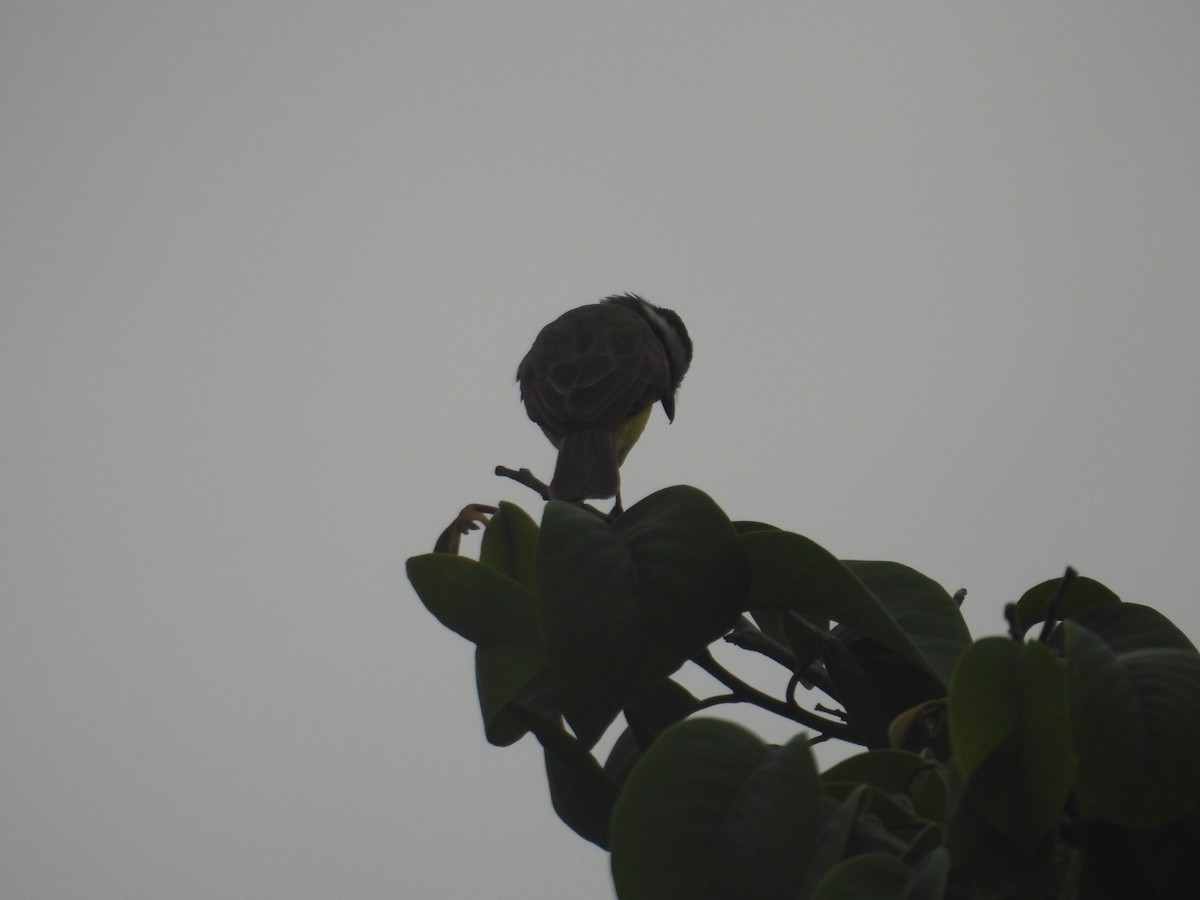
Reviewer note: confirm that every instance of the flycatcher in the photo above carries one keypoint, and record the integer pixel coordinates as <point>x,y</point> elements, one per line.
<point>590,380</point>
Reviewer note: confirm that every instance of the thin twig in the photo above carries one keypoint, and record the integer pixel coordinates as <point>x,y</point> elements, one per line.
<point>789,695</point>
<point>717,700</point>
<point>527,478</point>
<point>750,637</point>
<point>750,694</point>
<point>1015,631</point>
<point>1055,603</point>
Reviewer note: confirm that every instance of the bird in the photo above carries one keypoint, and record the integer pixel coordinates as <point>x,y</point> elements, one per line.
<point>591,379</point>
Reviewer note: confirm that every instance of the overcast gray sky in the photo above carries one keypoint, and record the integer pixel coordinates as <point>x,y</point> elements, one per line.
<point>267,269</point>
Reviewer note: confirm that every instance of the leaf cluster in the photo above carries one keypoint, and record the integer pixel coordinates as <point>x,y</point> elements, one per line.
<point>1063,765</point>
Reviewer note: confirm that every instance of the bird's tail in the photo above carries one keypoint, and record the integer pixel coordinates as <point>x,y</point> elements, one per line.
<point>587,466</point>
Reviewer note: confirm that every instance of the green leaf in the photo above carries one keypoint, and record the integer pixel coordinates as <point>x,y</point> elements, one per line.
<point>1011,738</point>
<point>930,794</point>
<point>1131,626</point>
<point>891,816</point>
<point>1034,605</point>
<point>1109,868</point>
<point>713,813</point>
<point>582,794</point>
<point>498,615</point>
<point>745,526</point>
<point>930,876</point>
<point>653,710</point>
<point>1122,861</point>
<point>502,675</point>
<point>922,607</point>
<point>997,865</point>
<point>923,729</point>
<point>797,636</point>
<point>590,610</point>
<point>930,837</point>
<point>1134,693</point>
<point>510,543</point>
<point>870,876</point>
<point>473,600</point>
<point>690,564</point>
<point>983,707</point>
<point>891,771</point>
<point>649,713</point>
<point>622,607</point>
<point>858,691</point>
<point>837,828</point>
<point>782,628</point>
<point>792,572</point>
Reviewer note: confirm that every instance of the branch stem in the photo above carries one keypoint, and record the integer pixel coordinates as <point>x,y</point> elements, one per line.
<point>740,691</point>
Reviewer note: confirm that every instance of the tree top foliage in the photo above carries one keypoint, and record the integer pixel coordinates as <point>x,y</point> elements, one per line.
<point>1059,760</point>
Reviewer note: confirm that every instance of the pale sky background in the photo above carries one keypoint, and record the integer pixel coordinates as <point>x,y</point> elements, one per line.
<point>267,269</point>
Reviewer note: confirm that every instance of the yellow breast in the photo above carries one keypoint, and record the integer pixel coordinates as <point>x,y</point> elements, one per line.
<point>630,431</point>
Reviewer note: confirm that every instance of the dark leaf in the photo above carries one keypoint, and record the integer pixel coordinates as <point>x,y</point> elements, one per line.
<point>1011,738</point>
<point>996,865</point>
<point>930,877</point>
<point>713,813</point>
<point>871,876</point>
<point>623,607</point>
<point>1134,692</point>
<point>1148,863</point>
<point>922,607</point>
<point>839,815</point>
<point>498,615</point>
<point>892,771</point>
<point>658,707</point>
<point>510,543</point>
<point>1033,607</point>
<point>792,572</point>
<point>856,690</point>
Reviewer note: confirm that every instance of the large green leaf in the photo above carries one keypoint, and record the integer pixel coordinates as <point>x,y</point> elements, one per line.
<point>1131,626</point>
<point>498,615</point>
<point>1120,861</point>
<point>838,818</point>
<point>1011,738</point>
<point>1082,593</point>
<point>869,876</point>
<point>589,603</point>
<point>791,572</point>
<point>622,607</point>
<point>781,627</point>
<point>510,543</point>
<point>997,865</point>
<point>922,607</point>
<point>713,813</point>
<point>892,771</point>
<point>931,876</point>
<point>648,713</point>
<point>690,563</point>
<point>1134,692</point>
<point>857,690</point>
<point>473,600</point>
<point>581,792</point>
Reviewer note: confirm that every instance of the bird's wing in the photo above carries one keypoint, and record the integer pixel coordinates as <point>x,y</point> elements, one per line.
<point>594,370</point>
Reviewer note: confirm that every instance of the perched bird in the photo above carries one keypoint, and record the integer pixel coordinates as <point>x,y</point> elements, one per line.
<point>590,380</point>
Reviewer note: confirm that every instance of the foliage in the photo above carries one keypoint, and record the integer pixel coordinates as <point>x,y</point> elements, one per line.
<point>1066,764</point>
